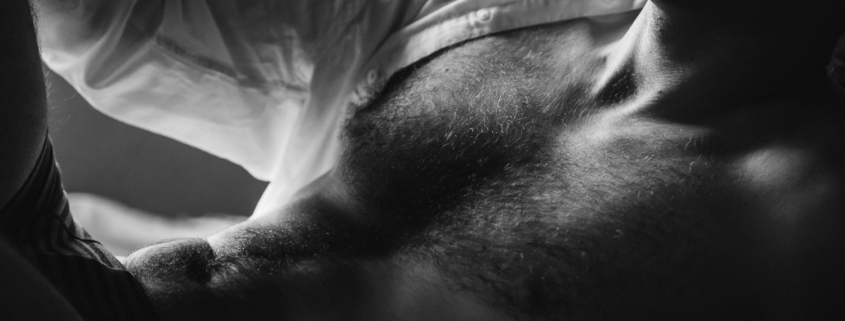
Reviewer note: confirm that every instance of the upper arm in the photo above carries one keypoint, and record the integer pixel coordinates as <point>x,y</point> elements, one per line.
<point>23,111</point>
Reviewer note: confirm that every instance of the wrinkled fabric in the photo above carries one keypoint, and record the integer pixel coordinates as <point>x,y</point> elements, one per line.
<point>262,83</point>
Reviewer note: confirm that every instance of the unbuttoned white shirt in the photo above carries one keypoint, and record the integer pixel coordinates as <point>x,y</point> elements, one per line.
<point>266,84</point>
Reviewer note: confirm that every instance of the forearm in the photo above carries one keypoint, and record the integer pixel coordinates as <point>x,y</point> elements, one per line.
<point>23,111</point>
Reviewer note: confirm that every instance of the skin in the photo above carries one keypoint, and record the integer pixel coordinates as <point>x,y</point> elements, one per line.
<point>718,177</point>
<point>649,165</point>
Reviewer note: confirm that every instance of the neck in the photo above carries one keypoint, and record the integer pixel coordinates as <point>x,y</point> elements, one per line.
<point>719,55</point>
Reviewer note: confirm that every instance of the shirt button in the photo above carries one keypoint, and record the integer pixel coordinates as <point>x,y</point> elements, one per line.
<point>483,14</point>
<point>372,76</point>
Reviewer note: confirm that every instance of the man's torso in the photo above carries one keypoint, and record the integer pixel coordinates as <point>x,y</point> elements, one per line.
<point>505,166</point>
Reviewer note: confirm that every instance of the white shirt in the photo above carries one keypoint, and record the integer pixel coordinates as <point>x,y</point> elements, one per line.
<point>262,83</point>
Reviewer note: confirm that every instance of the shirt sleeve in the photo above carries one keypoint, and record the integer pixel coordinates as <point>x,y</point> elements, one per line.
<point>230,77</point>
<point>37,223</point>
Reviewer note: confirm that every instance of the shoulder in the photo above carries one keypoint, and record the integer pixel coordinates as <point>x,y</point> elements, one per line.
<point>785,167</point>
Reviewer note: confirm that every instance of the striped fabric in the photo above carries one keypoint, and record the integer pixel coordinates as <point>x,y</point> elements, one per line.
<point>38,223</point>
